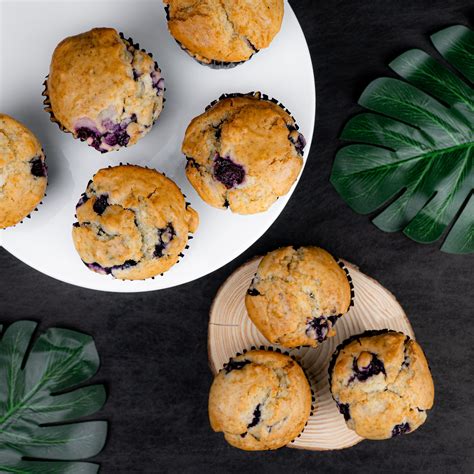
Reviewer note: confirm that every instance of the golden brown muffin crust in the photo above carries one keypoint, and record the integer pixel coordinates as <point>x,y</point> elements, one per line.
<point>384,384</point>
<point>260,400</point>
<point>133,222</point>
<point>97,77</point>
<point>224,30</point>
<point>22,171</point>
<point>256,136</point>
<point>293,294</point>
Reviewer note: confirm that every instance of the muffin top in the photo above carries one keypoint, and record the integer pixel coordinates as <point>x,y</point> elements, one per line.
<point>382,384</point>
<point>260,400</point>
<point>133,223</point>
<point>243,153</point>
<point>297,296</point>
<point>23,175</point>
<point>224,30</point>
<point>103,89</point>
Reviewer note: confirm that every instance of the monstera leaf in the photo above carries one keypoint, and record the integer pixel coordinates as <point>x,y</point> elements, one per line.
<point>415,150</point>
<point>39,405</point>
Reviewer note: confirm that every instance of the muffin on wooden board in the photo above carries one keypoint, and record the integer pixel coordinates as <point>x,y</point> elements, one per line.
<point>260,400</point>
<point>103,89</point>
<point>297,296</point>
<point>23,173</point>
<point>133,223</point>
<point>382,384</point>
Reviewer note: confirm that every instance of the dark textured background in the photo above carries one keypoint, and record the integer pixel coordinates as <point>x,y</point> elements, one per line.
<point>153,346</point>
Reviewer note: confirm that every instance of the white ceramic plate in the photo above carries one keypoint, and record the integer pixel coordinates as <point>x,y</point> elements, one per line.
<point>29,32</point>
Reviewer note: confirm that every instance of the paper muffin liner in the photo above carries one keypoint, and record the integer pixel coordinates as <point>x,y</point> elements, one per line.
<point>255,95</point>
<point>47,101</point>
<point>311,381</point>
<point>49,109</point>
<point>351,285</point>
<point>181,255</point>
<point>213,64</point>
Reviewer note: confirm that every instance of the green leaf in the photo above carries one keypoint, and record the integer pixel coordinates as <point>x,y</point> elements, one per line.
<point>40,403</point>
<point>414,150</point>
<point>461,237</point>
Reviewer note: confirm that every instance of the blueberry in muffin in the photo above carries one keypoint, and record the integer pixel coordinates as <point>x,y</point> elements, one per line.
<point>224,33</point>
<point>103,89</point>
<point>23,173</point>
<point>260,400</point>
<point>382,384</point>
<point>243,153</point>
<point>297,296</point>
<point>132,223</point>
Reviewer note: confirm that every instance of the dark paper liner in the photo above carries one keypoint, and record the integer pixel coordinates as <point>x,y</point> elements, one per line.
<point>47,101</point>
<point>213,64</point>
<point>351,284</point>
<point>37,205</point>
<point>311,382</point>
<point>181,255</point>
<point>336,316</point>
<point>49,109</point>
<point>254,95</point>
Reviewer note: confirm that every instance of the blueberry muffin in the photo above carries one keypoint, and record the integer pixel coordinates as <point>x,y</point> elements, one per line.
<point>382,384</point>
<point>224,33</point>
<point>260,400</point>
<point>133,223</point>
<point>23,175</point>
<point>244,153</point>
<point>297,296</point>
<point>103,89</point>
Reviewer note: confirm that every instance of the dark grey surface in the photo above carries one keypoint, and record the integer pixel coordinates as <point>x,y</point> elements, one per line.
<point>153,346</point>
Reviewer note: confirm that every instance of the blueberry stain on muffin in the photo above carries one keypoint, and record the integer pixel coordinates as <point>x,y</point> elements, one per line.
<point>235,365</point>
<point>109,270</point>
<point>229,173</point>
<point>257,415</point>
<point>120,229</point>
<point>165,236</point>
<point>158,82</point>
<point>320,327</point>
<point>298,140</point>
<point>365,366</point>
<point>401,429</point>
<point>38,167</point>
<point>344,410</point>
<point>114,134</point>
<point>253,292</point>
<point>82,200</point>
<point>104,89</point>
<point>101,204</point>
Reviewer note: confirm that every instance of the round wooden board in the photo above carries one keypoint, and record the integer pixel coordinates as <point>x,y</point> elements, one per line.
<point>231,331</point>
